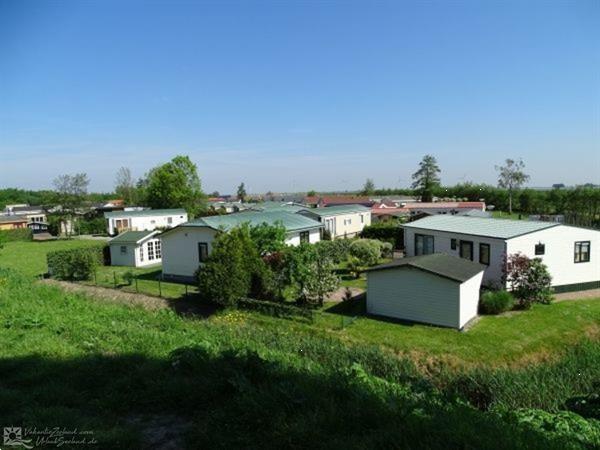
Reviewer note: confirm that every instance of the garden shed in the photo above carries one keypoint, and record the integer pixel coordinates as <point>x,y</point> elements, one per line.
<point>438,289</point>
<point>135,249</point>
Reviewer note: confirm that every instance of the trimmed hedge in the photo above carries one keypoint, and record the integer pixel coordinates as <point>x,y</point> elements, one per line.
<point>389,232</point>
<point>75,264</point>
<point>18,234</point>
<point>496,302</point>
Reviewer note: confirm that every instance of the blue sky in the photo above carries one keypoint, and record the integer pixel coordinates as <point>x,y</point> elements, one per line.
<point>295,95</point>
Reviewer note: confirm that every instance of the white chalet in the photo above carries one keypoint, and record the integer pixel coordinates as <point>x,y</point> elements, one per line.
<point>572,254</point>
<point>143,220</point>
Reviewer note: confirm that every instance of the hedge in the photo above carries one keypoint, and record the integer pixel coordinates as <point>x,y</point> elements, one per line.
<point>389,232</point>
<point>276,309</point>
<point>75,264</point>
<point>18,234</point>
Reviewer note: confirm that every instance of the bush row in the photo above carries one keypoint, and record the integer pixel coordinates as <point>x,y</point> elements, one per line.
<point>75,264</point>
<point>19,234</point>
<point>388,232</point>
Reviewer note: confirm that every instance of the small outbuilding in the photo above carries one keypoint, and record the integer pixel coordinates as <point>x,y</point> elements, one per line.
<point>437,289</point>
<point>135,249</point>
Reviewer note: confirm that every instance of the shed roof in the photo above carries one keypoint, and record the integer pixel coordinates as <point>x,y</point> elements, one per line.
<point>337,210</point>
<point>290,220</point>
<point>12,219</point>
<point>132,237</point>
<point>495,228</point>
<point>145,213</point>
<point>447,266</point>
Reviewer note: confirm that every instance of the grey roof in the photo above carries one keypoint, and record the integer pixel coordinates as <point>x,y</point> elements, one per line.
<point>9,219</point>
<point>145,213</point>
<point>290,220</point>
<point>447,266</point>
<point>475,213</point>
<point>495,228</point>
<point>132,237</point>
<point>337,210</point>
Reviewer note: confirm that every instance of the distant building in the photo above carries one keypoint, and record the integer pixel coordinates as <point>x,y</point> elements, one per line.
<point>12,222</point>
<point>341,221</point>
<point>143,220</point>
<point>318,201</point>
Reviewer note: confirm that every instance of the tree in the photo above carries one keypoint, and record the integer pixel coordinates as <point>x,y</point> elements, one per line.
<point>426,178</point>
<point>368,251</point>
<point>125,187</point>
<point>311,274</point>
<point>241,193</point>
<point>528,279</point>
<point>175,184</point>
<point>233,270</point>
<point>311,193</point>
<point>369,187</point>
<point>511,178</point>
<point>71,191</point>
<point>268,238</point>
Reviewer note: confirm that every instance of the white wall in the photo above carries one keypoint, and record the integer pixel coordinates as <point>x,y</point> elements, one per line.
<point>294,238</point>
<point>143,248</point>
<point>348,225</point>
<point>122,259</point>
<point>560,253</point>
<point>469,299</point>
<point>412,294</point>
<point>141,223</point>
<point>442,244</point>
<point>180,249</point>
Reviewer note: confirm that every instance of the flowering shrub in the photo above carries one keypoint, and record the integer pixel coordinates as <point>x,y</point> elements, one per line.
<point>528,279</point>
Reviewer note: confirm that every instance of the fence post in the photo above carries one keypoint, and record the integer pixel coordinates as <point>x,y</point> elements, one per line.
<point>136,286</point>
<point>96,277</point>
<point>115,279</point>
<point>186,290</point>
<point>159,288</point>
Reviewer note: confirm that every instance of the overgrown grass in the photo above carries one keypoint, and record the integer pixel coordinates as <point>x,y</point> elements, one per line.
<point>229,382</point>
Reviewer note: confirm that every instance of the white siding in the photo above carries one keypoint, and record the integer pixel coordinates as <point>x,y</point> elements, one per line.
<point>469,299</point>
<point>412,294</point>
<point>294,238</point>
<point>180,249</point>
<point>122,259</point>
<point>142,223</point>
<point>347,225</point>
<point>143,247</point>
<point>560,253</point>
<point>442,244</point>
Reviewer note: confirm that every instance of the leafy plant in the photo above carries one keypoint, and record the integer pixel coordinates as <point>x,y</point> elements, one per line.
<point>368,251</point>
<point>496,302</point>
<point>528,279</point>
<point>129,276</point>
<point>74,264</point>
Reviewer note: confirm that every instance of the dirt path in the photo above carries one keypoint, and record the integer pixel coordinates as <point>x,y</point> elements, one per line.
<point>113,295</point>
<point>577,295</point>
<point>339,295</point>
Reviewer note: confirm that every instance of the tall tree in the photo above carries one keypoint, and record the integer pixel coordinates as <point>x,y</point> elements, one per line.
<point>175,184</point>
<point>511,178</point>
<point>426,178</point>
<point>241,193</point>
<point>369,187</point>
<point>71,191</point>
<point>125,186</point>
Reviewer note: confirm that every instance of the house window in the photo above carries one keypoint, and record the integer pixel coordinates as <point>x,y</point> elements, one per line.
<point>424,244</point>
<point>484,254</point>
<point>123,249</point>
<point>141,252</point>
<point>362,218</point>
<point>540,249</point>
<point>466,250</point>
<point>202,251</point>
<point>157,250</point>
<point>169,220</point>
<point>453,244</point>
<point>150,251</point>
<point>582,251</point>
<point>304,237</point>
<point>153,222</point>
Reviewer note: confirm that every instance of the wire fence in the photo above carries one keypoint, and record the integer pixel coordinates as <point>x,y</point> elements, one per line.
<point>143,284</point>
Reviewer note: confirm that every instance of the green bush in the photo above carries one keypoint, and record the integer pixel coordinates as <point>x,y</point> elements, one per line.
<point>18,234</point>
<point>96,225</point>
<point>496,302</point>
<point>74,264</point>
<point>368,251</point>
<point>337,251</point>
<point>389,232</point>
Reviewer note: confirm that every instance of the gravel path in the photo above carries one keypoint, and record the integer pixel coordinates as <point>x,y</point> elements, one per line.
<point>578,295</point>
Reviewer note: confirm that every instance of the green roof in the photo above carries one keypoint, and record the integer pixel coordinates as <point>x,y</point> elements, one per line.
<point>131,237</point>
<point>457,269</point>
<point>278,206</point>
<point>495,228</point>
<point>290,220</point>
<point>337,210</point>
<point>145,213</point>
